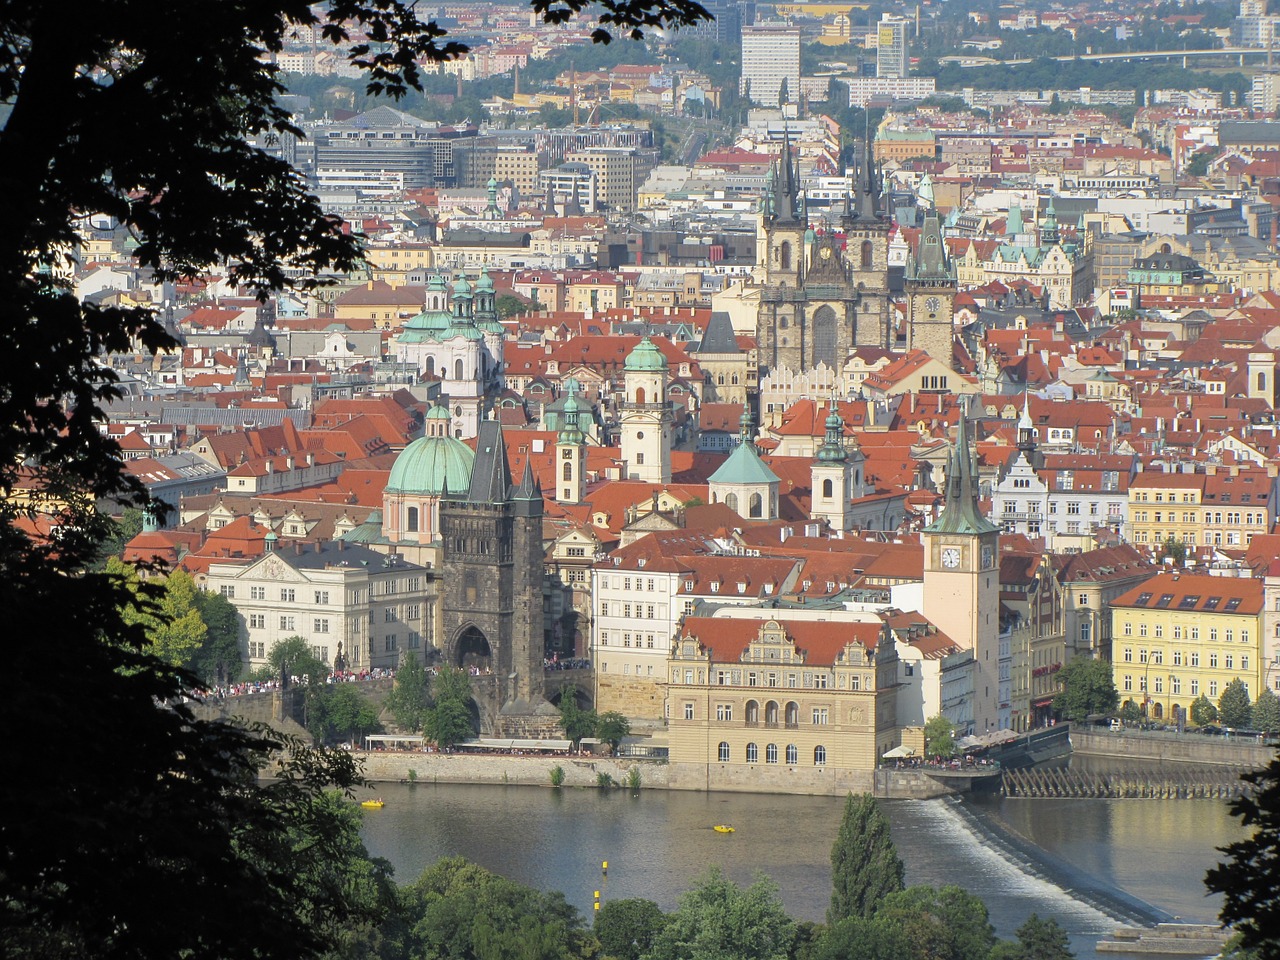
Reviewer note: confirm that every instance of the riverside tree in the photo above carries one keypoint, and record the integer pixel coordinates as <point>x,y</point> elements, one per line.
<point>717,918</point>
<point>145,114</point>
<point>1088,687</point>
<point>410,697</point>
<point>865,866</point>
<point>1203,712</point>
<point>939,738</point>
<point>1234,707</point>
<point>449,720</point>
<point>1266,711</point>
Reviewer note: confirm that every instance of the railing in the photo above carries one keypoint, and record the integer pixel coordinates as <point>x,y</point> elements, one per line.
<point>771,724</point>
<point>751,723</point>
<point>793,724</point>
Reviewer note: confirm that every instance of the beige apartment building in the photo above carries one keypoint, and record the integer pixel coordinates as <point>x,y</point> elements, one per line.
<point>1224,508</point>
<point>616,170</point>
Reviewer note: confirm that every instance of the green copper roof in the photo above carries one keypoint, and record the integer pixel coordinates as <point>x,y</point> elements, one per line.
<point>429,464</point>
<point>960,513</point>
<point>744,465</point>
<point>646,358</point>
<point>832,449</point>
<point>485,283</point>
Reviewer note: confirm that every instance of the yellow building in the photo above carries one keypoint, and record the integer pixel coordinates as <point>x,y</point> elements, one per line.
<point>392,263</point>
<point>803,704</point>
<point>1228,507</point>
<point>1180,635</point>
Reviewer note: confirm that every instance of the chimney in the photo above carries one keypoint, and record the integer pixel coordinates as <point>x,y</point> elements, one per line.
<point>319,547</point>
<point>297,548</point>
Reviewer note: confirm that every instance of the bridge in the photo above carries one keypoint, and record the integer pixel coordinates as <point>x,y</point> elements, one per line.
<point>1238,52</point>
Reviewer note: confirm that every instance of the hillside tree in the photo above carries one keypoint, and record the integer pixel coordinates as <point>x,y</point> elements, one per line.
<point>865,866</point>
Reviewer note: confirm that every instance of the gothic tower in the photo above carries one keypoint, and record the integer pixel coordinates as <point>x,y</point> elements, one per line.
<point>491,586</point>
<point>930,283</point>
<point>962,577</point>
<point>867,251</point>
<point>646,417</point>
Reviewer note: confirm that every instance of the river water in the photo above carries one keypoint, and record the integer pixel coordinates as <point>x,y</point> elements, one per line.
<point>1092,864</point>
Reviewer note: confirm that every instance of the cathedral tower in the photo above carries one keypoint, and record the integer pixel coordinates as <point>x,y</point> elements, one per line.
<point>931,291</point>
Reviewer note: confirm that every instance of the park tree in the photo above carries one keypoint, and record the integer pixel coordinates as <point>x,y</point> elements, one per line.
<point>1130,712</point>
<point>945,922</point>
<point>577,723</point>
<point>179,631</point>
<point>626,928</point>
<point>159,110</point>
<point>717,918</point>
<point>295,655</point>
<point>410,697</point>
<point>449,720</point>
<point>1088,687</point>
<point>1203,712</point>
<point>1233,706</point>
<point>1249,879</point>
<point>865,866</point>
<point>939,738</point>
<point>1173,550</point>
<point>218,659</point>
<point>1266,711</point>
<point>339,712</point>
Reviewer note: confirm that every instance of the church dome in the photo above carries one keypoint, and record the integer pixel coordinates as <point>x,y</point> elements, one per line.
<point>646,358</point>
<point>431,464</point>
<point>485,283</point>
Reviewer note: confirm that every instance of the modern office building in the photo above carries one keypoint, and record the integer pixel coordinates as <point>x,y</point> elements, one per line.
<point>770,61</point>
<point>891,49</point>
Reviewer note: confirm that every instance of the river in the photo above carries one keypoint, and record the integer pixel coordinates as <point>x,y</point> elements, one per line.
<point>1093,864</point>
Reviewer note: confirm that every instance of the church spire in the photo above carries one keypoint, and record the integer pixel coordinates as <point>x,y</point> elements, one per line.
<point>960,512</point>
<point>832,449</point>
<point>786,201</point>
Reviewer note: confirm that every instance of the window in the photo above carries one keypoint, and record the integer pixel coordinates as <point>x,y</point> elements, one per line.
<point>1128,653</point>
<point>286,623</point>
<point>819,756</point>
<point>793,755</point>
<point>820,716</point>
<point>688,711</point>
<point>389,643</point>
<point>1128,682</point>
<point>1229,662</point>
<point>227,591</point>
<point>1194,659</point>
<point>1195,688</point>
<point>1213,689</point>
<point>257,593</point>
<point>771,753</point>
<point>1213,659</point>
<point>257,621</point>
<point>257,651</point>
<point>286,595</point>
<point>320,626</point>
<point>752,753</point>
<point>724,711</point>
<point>724,752</point>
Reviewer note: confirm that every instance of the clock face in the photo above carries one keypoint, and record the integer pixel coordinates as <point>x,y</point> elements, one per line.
<point>932,304</point>
<point>951,557</point>
<point>825,253</point>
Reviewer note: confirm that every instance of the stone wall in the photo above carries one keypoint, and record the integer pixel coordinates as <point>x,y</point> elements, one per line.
<point>644,701</point>
<point>1170,748</point>
<point>534,771</point>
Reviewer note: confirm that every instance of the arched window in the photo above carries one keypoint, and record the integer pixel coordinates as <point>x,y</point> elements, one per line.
<point>753,754</point>
<point>457,369</point>
<point>827,488</point>
<point>724,751</point>
<point>755,506</point>
<point>867,257</point>
<point>792,715</point>
<point>568,470</point>
<point>639,394</point>
<point>411,520</point>
<point>731,501</point>
<point>771,753</point>
<point>771,713</point>
<point>431,366</point>
<point>819,756</point>
<point>753,712</point>
<point>785,255</point>
<point>793,755</point>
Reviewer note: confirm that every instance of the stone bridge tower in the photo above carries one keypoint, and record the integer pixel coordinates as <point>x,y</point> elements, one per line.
<point>491,590</point>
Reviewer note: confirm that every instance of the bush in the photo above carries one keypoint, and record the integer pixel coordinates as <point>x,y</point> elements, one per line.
<point>633,778</point>
<point>557,776</point>
<point>604,781</point>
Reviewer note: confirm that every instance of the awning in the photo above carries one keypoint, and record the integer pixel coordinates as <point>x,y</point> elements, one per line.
<point>898,753</point>
<point>1043,702</point>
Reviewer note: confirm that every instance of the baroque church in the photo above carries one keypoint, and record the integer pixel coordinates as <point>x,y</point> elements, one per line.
<point>458,338</point>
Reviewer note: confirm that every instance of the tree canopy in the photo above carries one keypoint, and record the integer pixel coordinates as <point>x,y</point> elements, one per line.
<point>410,697</point>
<point>1088,687</point>
<point>1234,707</point>
<point>865,866</point>
<point>449,720</point>
<point>939,737</point>
<point>1203,711</point>
<point>717,918</point>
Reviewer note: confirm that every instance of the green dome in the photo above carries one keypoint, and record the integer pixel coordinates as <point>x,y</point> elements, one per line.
<point>485,283</point>
<point>646,358</point>
<point>461,288</point>
<point>429,464</point>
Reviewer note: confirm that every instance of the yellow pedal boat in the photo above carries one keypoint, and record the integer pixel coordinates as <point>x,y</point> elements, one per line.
<point>373,804</point>
<point>722,828</point>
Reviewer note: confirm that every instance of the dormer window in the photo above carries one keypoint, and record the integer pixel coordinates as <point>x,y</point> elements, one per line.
<point>715,586</point>
<point>742,587</point>
<point>640,562</point>
<point>688,584</point>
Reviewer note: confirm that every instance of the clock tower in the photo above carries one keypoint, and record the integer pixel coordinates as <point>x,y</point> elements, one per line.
<point>930,283</point>
<point>962,578</point>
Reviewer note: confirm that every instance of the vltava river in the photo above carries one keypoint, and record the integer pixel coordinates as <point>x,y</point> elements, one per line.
<point>1093,864</point>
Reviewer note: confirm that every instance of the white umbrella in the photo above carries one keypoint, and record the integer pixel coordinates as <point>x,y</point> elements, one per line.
<point>897,753</point>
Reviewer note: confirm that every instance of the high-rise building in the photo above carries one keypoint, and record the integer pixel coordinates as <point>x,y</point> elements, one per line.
<point>770,61</point>
<point>891,48</point>
<point>1265,95</point>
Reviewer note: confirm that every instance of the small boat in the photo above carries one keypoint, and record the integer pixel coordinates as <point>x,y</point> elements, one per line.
<point>373,804</point>
<point>722,828</point>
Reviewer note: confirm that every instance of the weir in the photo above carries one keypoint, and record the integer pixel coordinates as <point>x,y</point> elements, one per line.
<point>1216,784</point>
